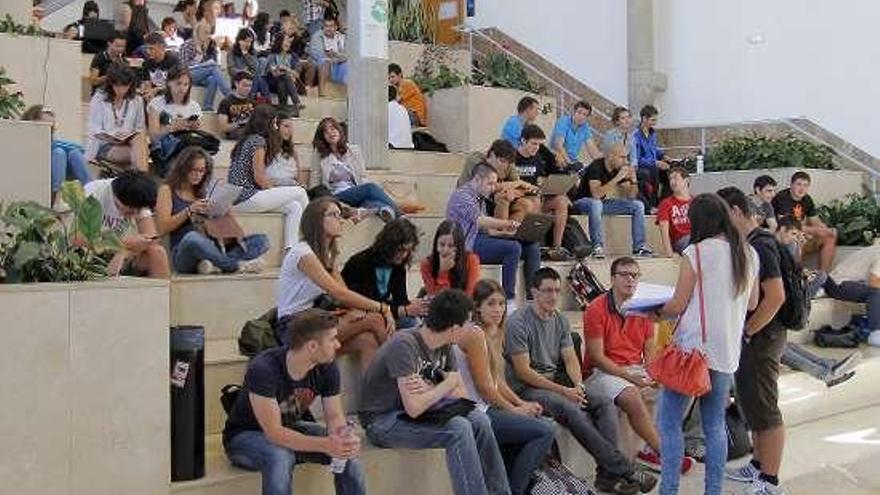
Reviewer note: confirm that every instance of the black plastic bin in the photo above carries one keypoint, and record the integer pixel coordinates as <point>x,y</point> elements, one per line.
<point>187,374</point>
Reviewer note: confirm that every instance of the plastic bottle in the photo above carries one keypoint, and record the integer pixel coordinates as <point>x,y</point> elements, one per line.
<point>700,164</point>
<point>337,465</point>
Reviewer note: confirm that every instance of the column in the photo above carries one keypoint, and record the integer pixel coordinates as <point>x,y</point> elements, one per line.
<point>368,79</point>
<point>644,82</point>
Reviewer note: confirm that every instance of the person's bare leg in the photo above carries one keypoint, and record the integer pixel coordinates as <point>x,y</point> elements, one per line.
<point>138,150</point>
<point>558,206</point>
<point>154,261</point>
<point>768,449</point>
<point>826,254</point>
<point>323,78</point>
<point>632,404</point>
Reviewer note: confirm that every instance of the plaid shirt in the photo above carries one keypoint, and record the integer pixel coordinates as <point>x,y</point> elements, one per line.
<point>313,10</point>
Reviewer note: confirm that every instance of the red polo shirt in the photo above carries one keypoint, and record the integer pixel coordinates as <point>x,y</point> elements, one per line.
<point>623,337</point>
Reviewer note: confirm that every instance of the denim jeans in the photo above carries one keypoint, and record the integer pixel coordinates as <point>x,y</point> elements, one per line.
<point>68,165</point>
<point>195,247</point>
<point>211,78</point>
<point>595,208</point>
<point>494,250</point>
<point>367,195</point>
<point>531,437</point>
<point>595,428</point>
<point>253,451</point>
<point>798,358</point>
<point>670,412</point>
<point>858,292</point>
<point>472,456</point>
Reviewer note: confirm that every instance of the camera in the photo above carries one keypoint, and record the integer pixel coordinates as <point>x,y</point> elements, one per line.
<point>432,373</point>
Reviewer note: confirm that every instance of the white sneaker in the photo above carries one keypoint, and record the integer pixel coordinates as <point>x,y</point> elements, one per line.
<point>744,474</point>
<point>205,267</point>
<point>255,265</point>
<point>761,487</point>
<point>874,339</point>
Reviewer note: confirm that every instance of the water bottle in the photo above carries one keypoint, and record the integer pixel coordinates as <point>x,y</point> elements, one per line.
<point>700,164</point>
<point>337,466</point>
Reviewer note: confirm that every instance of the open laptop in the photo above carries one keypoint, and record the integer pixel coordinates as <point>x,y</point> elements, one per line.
<point>557,184</point>
<point>533,228</point>
<point>97,29</point>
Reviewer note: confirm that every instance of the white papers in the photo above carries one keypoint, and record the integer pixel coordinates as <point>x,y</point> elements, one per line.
<point>221,196</point>
<point>648,297</point>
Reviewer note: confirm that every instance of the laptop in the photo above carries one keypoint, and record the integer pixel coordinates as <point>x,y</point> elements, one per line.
<point>558,184</point>
<point>97,29</point>
<point>533,228</point>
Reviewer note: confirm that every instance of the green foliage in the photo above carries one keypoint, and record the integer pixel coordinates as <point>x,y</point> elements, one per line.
<point>8,25</point>
<point>754,151</point>
<point>501,71</point>
<point>410,22</point>
<point>11,102</point>
<point>856,218</point>
<point>432,71</point>
<point>38,245</point>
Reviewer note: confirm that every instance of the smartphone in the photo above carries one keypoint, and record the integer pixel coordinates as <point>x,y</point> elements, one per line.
<point>192,118</point>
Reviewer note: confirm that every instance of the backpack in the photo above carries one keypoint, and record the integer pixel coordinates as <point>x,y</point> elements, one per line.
<point>258,335</point>
<point>739,440</point>
<point>795,311</point>
<point>585,286</point>
<point>555,479</point>
<point>228,396</point>
<point>422,141</point>
<point>574,239</point>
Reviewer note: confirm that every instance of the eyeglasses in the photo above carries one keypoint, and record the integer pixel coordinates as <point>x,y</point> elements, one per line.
<point>629,275</point>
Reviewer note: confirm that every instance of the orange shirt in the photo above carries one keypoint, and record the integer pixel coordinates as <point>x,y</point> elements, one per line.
<point>623,337</point>
<point>435,285</point>
<point>412,98</point>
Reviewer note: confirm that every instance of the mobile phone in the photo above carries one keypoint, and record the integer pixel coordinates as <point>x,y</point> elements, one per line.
<point>192,118</point>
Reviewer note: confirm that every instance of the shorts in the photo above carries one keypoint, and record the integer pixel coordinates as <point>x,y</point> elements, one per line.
<point>602,384</point>
<point>757,378</point>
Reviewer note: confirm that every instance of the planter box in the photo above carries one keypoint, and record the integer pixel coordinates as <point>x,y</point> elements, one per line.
<point>469,118</point>
<point>825,184</point>
<point>406,55</point>
<point>85,396</point>
<point>26,164</point>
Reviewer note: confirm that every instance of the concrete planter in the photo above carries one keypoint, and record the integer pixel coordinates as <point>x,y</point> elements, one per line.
<point>85,395</point>
<point>825,184</point>
<point>406,55</point>
<point>27,148</point>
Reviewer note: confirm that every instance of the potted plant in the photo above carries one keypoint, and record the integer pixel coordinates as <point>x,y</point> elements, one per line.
<point>11,102</point>
<point>752,151</point>
<point>433,71</point>
<point>498,70</point>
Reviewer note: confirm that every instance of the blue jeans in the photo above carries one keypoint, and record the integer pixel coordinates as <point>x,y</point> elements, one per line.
<point>858,292</point>
<point>670,413</point>
<point>531,437</point>
<point>798,358</point>
<point>195,247</point>
<point>494,250</point>
<point>595,208</point>
<point>68,165</point>
<point>211,78</point>
<point>368,195</point>
<point>472,456</point>
<point>253,451</point>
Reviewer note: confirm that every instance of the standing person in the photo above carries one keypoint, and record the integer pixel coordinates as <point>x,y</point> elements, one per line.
<point>235,110</point>
<point>201,55</point>
<point>763,192</point>
<point>267,429</point>
<point>672,214</point>
<point>527,111</point>
<point>571,134</point>
<point>113,54</point>
<point>416,372</point>
<point>450,265</point>
<point>409,95</point>
<point>652,164</point>
<point>718,276</point>
<point>622,132</point>
<point>243,58</point>
<point>116,121</point>
<point>327,51</point>
<point>796,202</point>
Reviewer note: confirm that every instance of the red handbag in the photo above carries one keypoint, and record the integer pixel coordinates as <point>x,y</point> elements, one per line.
<point>685,372</point>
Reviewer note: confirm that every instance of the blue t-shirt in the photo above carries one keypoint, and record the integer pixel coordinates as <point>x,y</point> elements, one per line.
<point>512,130</point>
<point>573,137</point>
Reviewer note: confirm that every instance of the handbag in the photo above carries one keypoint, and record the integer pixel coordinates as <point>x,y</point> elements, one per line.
<point>685,372</point>
<point>440,413</point>
<point>555,478</point>
<point>223,230</point>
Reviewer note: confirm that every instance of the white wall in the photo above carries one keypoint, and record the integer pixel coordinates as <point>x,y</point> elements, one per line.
<point>587,38</point>
<point>816,59</point>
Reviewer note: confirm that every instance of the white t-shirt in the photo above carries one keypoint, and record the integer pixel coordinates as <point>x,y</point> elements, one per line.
<point>725,311</point>
<point>857,266</point>
<point>295,291</point>
<point>283,171</point>
<point>399,127</point>
<point>174,110</point>
<point>113,219</point>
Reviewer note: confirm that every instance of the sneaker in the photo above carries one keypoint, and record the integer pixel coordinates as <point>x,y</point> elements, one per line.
<point>840,379</point>
<point>645,481</point>
<point>386,214</point>
<point>558,254</point>
<point>761,487</point>
<point>618,486</point>
<point>643,252</point>
<point>255,265</point>
<point>696,450</point>
<point>650,459</point>
<point>598,253</point>
<point>846,364</point>
<point>744,474</point>
<point>874,339</point>
<point>205,267</point>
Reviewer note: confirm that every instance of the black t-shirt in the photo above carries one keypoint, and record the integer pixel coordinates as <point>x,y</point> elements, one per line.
<point>784,205</point>
<point>531,168</point>
<point>156,72</point>
<point>267,376</point>
<point>769,258</point>
<point>101,61</point>
<point>237,110</point>
<point>596,170</point>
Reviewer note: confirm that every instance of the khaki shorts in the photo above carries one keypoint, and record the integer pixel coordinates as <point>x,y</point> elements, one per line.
<point>756,379</point>
<point>602,384</point>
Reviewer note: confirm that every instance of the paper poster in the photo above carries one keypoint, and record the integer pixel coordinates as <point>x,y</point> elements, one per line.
<point>373,28</point>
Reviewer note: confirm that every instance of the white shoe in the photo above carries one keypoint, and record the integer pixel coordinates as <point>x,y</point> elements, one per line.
<point>761,487</point>
<point>874,339</point>
<point>205,267</point>
<point>255,265</point>
<point>744,474</point>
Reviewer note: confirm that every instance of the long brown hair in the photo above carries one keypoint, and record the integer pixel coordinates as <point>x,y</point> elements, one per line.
<point>276,145</point>
<point>311,228</point>
<point>178,177</point>
<point>710,216</point>
<point>483,290</point>
<point>320,142</point>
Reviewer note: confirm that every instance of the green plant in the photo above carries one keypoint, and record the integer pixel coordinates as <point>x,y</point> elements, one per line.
<point>11,102</point>
<point>754,150</point>
<point>501,71</point>
<point>432,71</point>
<point>38,245</point>
<point>8,25</point>
<point>409,21</point>
<point>856,218</point>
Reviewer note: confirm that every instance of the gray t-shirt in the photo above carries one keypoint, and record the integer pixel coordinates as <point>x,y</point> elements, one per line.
<point>404,355</point>
<point>542,339</point>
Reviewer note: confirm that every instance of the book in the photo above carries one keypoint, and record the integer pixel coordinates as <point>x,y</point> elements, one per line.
<point>221,196</point>
<point>119,136</point>
<point>648,297</point>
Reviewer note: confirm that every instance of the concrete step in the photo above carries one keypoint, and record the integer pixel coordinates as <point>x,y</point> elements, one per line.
<point>303,128</point>
<point>425,162</point>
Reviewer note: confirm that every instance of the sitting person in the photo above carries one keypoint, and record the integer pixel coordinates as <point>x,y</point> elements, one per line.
<point>652,164</point>
<point>282,71</point>
<point>181,204</point>
<point>409,95</point>
<point>622,132</point>
<point>284,166</point>
<point>797,203</point>
<point>173,42</point>
<point>172,111</point>
<point>399,126</point>
<point>186,15</point>
<point>450,266</point>
<point>379,272</point>
<point>527,111</point>
<point>327,51</point>
<point>157,64</point>
<point>243,58</point>
<point>269,429</point>
<point>116,122</point>
<point>235,110</point>
<point>542,366</point>
<point>114,53</point>
<point>260,193</point>
<point>672,214</point>
<point>200,54</point>
<point>514,198</point>
<point>127,203</point>
<point>343,171</point>
<point>608,187</point>
<point>571,134</point>
<point>618,347</point>
<point>763,192</point>
<point>416,373</point>
<point>857,279</point>
<point>466,207</point>
<point>68,161</point>
<point>517,423</point>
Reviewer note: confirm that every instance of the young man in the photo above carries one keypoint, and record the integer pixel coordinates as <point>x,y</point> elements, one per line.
<point>527,111</point>
<point>115,53</point>
<point>410,96</point>
<point>652,165</point>
<point>857,279</point>
<point>618,347</point>
<point>399,123</point>
<point>514,197</point>
<point>235,110</point>
<point>571,134</point>
<point>763,192</point>
<point>542,366</point>
<point>169,31</point>
<point>127,203</point>
<point>157,64</point>
<point>313,14</point>
<point>621,133</point>
<point>672,214</point>
<point>484,234</point>
<point>415,372</point>
<point>532,168</point>
<point>608,187</point>
<point>796,202</point>
<point>763,344</point>
<point>269,427</point>
<point>327,50</point>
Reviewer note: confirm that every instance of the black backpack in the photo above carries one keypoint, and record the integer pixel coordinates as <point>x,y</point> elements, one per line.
<point>585,286</point>
<point>795,311</point>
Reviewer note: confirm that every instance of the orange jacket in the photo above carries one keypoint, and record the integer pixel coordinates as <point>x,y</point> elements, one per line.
<point>412,98</point>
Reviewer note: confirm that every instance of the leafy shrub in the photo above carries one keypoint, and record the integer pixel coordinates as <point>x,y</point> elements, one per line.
<point>856,218</point>
<point>11,102</point>
<point>409,21</point>
<point>501,71</point>
<point>433,71</point>
<point>8,25</point>
<point>759,151</point>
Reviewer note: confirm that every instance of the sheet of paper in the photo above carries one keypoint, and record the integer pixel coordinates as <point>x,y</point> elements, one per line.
<point>648,297</point>
<point>221,196</point>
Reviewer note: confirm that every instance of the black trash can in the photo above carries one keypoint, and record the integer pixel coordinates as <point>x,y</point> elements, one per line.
<point>187,403</point>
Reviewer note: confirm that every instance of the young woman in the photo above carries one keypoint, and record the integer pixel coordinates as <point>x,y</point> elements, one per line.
<point>449,266</point>
<point>379,272</point>
<point>68,161</point>
<point>243,57</point>
<point>309,274</point>
<point>116,121</point>
<point>262,34</point>
<point>139,26</point>
<point>282,71</point>
<point>517,423</point>
<point>283,165</point>
<point>182,197</point>
<point>174,110</point>
<point>185,15</point>
<point>260,193</point>
<point>201,55</point>
<point>343,171</point>
<point>729,288</point>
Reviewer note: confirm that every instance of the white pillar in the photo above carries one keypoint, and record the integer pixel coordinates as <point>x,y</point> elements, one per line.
<point>368,79</point>
<point>644,82</point>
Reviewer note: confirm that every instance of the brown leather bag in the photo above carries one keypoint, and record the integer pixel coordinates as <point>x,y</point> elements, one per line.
<point>223,230</point>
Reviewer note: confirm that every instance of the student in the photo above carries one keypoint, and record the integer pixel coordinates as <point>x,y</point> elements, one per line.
<point>728,288</point>
<point>282,71</point>
<point>652,164</point>
<point>114,53</point>
<point>139,25</point>
<point>262,34</point>
<point>327,51</point>
<point>284,166</point>
<point>416,371</point>
<point>514,198</point>
<point>173,42</point>
<point>797,203</point>
<point>857,279</point>
<point>157,64</point>
<point>399,126</point>
<point>127,202</point>
<point>184,14</point>
<point>527,111</point>
<point>173,110</point>
<point>763,192</point>
<point>542,366</point>
<point>309,273</point>
<point>450,265</point>
<point>409,95</point>
<point>672,214</point>
<point>313,12</point>
<point>343,171</point>
<point>268,428</point>
<point>200,54</point>
<point>117,110</point>
<point>209,11</point>
<point>235,110</point>
<point>571,134</point>
<point>243,58</point>
<point>183,198</point>
<point>90,12</point>
<point>518,424</point>
<point>622,132</point>
<point>260,193</point>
